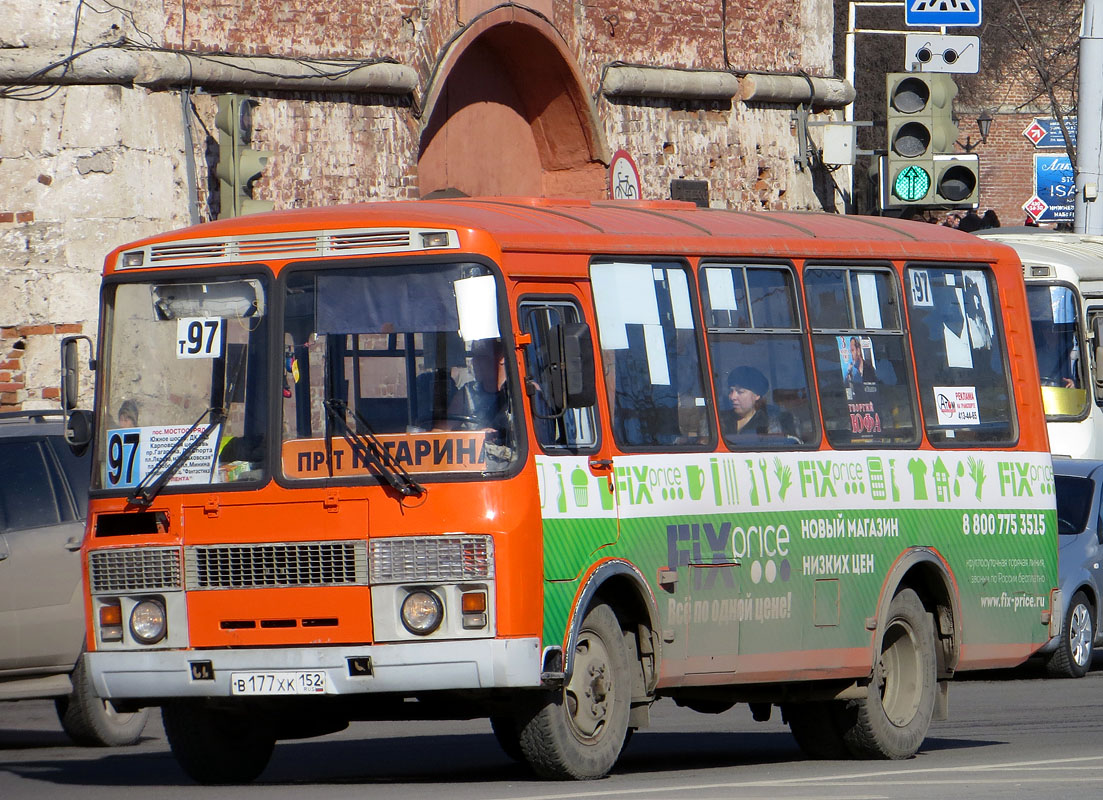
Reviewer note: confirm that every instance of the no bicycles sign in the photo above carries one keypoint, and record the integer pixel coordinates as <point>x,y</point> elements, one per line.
<point>624,178</point>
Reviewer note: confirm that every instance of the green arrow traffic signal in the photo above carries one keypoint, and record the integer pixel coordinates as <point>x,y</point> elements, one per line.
<point>911,184</point>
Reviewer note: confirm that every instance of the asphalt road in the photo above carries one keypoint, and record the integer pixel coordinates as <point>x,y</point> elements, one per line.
<point>1010,735</point>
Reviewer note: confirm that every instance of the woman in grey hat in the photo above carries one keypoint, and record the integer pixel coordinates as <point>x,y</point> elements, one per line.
<point>747,388</point>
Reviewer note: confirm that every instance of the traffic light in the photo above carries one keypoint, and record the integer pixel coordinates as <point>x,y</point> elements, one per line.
<point>238,164</point>
<point>919,122</point>
<point>957,180</point>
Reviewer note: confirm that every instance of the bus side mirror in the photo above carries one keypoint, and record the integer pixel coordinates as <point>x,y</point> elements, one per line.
<point>572,351</point>
<point>78,422</point>
<point>1097,353</point>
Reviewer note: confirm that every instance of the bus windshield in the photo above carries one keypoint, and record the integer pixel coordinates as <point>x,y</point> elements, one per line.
<point>1054,315</point>
<point>185,367</point>
<point>394,369</point>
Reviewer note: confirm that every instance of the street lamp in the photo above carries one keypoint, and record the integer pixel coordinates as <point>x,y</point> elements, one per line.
<point>984,124</point>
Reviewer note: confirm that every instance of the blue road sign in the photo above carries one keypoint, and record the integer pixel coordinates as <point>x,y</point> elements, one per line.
<point>944,13</point>
<point>1055,183</point>
<point>1046,132</point>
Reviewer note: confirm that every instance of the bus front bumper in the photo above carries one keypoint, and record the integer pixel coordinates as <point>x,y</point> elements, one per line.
<point>403,667</point>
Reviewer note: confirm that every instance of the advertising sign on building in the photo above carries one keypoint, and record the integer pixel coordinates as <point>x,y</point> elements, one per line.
<point>1055,186</point>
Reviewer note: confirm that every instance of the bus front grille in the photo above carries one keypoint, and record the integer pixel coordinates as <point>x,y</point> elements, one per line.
<point>436,559</point>
<point>276,565</point>
<point>134,569</point>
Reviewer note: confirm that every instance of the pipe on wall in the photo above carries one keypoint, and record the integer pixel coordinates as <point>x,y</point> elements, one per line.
<point>703,85</point>
<point>163,68</point>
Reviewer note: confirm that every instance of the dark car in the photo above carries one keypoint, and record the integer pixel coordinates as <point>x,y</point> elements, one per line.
<point>43,501</point>
<point>1080,566</point>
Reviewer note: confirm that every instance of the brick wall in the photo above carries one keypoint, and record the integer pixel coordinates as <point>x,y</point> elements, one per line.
<point>20,347</point>
<point>84,169</point>
<point>1007,164</point>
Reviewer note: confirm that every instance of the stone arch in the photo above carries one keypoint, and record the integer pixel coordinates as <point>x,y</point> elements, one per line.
<point>506,114</point>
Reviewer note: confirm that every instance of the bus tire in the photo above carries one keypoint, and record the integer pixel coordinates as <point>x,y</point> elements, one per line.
<point>892,720</point>
<point>91,721</point>
<point>577,732</point>
<point>1073,656</point>
<point>215,746</point>
<point>815,726</point>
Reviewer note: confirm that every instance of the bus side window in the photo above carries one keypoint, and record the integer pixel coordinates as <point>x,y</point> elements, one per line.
<point>860,352</point>
<point>574,429</point>
<point>755,336</point>
<point>649,351</point>
<point>965,389</point>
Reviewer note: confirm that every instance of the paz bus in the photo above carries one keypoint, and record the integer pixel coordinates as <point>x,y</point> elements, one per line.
<point>548,461</point>
<point>1064,289</point>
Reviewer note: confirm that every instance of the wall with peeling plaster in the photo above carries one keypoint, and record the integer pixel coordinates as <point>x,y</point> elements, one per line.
<point>85,168</point>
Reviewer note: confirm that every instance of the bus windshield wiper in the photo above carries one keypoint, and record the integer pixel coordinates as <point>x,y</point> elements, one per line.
<point>370,449</point>
<point>149,486</point>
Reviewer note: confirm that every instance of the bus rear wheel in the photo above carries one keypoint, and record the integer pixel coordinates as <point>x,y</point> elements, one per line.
<point>577,733</point>
<point>215,746</point>
<point>892,720</point>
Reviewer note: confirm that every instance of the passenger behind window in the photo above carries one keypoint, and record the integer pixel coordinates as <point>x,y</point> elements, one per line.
<point>752,419</point>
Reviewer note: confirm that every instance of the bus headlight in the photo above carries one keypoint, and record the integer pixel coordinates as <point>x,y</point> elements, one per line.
<point>148,621</point>
<point>422,612</point>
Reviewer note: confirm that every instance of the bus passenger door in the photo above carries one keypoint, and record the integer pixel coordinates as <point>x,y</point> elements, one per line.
<point>574,471</point>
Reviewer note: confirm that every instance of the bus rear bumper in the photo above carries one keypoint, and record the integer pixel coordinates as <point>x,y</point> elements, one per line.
<point>404,667</point>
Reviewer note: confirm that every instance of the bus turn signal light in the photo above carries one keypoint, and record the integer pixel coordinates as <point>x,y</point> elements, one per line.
<point>474,609</point>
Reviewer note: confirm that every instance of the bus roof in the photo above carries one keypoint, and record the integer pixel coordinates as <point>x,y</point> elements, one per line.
<point>1080,253</point>
<point>613,226</point>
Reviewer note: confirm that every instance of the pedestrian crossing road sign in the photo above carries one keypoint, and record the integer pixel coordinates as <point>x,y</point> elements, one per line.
<point>943,13</point>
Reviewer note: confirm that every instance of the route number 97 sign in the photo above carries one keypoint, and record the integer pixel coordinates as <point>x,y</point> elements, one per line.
<point>199,337</point>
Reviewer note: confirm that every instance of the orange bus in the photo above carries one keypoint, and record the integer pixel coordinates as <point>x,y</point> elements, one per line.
<point>548,461</point>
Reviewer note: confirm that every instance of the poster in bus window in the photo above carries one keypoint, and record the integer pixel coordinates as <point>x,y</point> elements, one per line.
<point>860,379</point>
<point>858,365</point>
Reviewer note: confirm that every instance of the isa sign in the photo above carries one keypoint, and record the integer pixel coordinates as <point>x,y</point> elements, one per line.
<point>945,13</point>
<point>1055,184</point>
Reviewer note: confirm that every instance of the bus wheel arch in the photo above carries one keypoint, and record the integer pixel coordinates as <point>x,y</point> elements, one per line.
<point>923,570</point>
<point>621,585</point>
<point>915,644</point>
<point>610,667</point>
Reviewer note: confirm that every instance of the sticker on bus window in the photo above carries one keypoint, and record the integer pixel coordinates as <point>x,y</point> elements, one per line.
<point>956,405</point>
<point>721,287</point>
<point>199,337</point>
<point>868,300</point>
<point>133,453</point>
<point>921,288</point>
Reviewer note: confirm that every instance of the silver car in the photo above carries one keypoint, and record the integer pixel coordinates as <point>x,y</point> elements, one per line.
<point>1080,566</point>
<point>43,501</point>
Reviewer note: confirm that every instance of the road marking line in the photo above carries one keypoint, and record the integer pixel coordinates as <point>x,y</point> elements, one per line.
<point>840,780</point>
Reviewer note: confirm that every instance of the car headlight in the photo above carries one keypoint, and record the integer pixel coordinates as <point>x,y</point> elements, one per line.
<point>148,622</point>
<point>422,612</point>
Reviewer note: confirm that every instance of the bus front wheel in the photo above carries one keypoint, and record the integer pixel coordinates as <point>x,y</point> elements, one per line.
<point>577,733</point>
<point>892,720</point>
<point>215,746</point>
